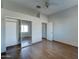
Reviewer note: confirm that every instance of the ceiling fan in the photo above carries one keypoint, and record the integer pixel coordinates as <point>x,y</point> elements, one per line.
<point>46,3</point>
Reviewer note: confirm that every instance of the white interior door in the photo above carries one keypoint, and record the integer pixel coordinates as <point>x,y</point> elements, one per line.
<point>50,32</point>
<point>11,38</point>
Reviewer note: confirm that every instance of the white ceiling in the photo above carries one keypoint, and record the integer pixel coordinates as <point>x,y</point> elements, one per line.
<point>53,8</point>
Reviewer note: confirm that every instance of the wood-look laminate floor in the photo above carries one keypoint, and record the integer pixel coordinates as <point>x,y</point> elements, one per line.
<point>26,41</point>
<point>44,50</point>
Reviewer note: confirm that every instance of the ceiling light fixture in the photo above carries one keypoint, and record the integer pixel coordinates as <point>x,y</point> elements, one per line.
<point>38,6</point>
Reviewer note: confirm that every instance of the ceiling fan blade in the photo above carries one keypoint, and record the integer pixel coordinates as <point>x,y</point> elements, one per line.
<point>48,3</point>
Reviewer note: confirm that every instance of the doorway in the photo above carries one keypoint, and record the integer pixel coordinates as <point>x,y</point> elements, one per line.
<point>25,33</point>
<point>44,31</point>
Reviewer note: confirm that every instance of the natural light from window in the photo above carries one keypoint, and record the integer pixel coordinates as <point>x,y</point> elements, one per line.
<point>24,28</point>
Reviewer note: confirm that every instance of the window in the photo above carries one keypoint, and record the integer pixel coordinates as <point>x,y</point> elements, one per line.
<point>24,28</point>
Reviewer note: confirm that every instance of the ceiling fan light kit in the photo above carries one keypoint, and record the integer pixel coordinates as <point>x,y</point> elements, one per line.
<point>38,6</point>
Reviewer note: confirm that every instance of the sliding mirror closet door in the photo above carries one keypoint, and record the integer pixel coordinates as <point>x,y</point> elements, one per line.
<point>26,33</point>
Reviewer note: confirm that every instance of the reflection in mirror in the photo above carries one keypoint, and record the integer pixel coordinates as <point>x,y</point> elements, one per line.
<point>25,33</point>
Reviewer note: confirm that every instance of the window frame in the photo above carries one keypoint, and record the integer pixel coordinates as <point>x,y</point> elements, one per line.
<point>23,30</point>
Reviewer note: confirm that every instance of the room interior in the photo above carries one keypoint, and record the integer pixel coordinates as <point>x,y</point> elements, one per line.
<point>39,29</point>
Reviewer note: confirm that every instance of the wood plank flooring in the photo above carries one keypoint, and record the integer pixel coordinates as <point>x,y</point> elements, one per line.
<point>44,50</point>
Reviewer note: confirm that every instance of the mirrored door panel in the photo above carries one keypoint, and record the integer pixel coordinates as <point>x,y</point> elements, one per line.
<point>26,33</point>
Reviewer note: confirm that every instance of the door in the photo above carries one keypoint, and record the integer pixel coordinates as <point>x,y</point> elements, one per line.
<point>26,33</point>
<point>50,31</point>
<point>44,30</point>
<point>10,32</point>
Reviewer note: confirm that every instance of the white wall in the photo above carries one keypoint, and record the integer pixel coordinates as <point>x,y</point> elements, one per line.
<point>36,25</point>
<point>2,32</point>
<point>65,26</point>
